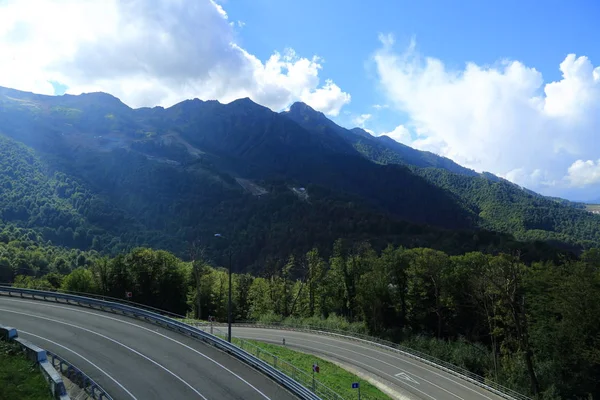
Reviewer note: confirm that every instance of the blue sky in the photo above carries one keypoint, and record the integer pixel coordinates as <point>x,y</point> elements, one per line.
<point>508,87</point>
<point>345,34</point>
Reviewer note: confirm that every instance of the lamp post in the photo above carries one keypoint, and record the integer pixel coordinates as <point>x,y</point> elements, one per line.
<point>229,301</point>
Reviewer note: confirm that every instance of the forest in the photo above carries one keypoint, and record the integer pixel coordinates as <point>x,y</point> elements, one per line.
<point>154,205</point>
<point>530,326</point>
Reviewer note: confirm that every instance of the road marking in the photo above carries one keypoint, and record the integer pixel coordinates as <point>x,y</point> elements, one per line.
<point>381,361</point>
<point>406,377</point>
<point>387,353</point>
<point>114,341</point>
<point>79,355</point>
<point>149,330</point>
<point>353,360</point>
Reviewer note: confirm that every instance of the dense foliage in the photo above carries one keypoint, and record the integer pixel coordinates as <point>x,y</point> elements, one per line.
<point>507,208</point>
<point>115,201</point>
<point>531,327</point>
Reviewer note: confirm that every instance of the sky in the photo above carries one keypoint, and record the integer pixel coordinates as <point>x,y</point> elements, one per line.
<point>510,87</point>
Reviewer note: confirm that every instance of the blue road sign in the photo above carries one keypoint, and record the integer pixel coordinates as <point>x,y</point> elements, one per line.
<point>354,385</point>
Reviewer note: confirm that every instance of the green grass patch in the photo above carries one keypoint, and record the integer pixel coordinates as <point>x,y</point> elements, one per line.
<point>331,375</point>
<point>20,378</point>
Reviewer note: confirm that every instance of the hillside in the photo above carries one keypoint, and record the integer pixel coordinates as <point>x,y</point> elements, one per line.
<point>380,149</point>
<point>498,204</point>
<point>91,173</point>
<point>506,208</point>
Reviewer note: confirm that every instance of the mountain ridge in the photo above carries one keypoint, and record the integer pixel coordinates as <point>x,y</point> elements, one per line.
<point>185,171</point>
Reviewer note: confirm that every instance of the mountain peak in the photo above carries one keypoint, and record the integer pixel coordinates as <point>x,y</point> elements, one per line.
<point>361,132</point>
<point>246,103</point>
<point>303,108</point>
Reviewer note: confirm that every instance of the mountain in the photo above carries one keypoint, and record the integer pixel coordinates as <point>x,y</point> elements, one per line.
<point>90,172</point>
<point>380,149</point>
<point>499,204</point>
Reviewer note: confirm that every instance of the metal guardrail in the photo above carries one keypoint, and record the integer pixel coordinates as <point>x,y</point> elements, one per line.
<point>108,298</point>
<point>408,352</point>
<point>78,377</point>
<point>289,383</point>
<point>319,388</point>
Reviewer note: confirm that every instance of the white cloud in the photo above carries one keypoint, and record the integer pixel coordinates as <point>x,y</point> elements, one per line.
<point>399,134</point>
<point>328,98</point>
<point>584,173</point>
<point>500,118</point>
<point>361,119</point>
<point>149,53</point>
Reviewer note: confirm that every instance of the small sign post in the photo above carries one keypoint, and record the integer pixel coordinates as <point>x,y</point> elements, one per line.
<point>128,295</point>
<point>356,385</point>
<point>315,369</point>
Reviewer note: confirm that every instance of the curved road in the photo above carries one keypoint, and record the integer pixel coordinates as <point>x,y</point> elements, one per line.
<point>398,376</point>
<point>132,359</point>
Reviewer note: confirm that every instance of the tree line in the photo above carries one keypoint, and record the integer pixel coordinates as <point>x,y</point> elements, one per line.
<point>532,327</point>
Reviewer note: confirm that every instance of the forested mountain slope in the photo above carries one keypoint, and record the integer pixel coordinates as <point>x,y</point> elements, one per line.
<point>89,172</point>
<point>380,149</point>
<point>498,204</point>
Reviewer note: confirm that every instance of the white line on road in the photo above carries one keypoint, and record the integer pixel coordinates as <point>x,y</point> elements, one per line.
<point>406,377</point>
<point>149,330</point>
<point>354,361</point>
<point>383,362</point>
<point>79,355</point>
<point>388,353</point>
<point>114,341</point>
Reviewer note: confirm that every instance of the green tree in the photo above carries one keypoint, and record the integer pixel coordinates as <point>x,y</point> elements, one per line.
<point>79,280</point>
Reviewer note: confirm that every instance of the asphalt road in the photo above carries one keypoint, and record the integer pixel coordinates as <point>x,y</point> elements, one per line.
<point>400,377</point>
<point>132,359</point>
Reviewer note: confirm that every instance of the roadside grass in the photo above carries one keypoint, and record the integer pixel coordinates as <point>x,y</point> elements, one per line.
<point>20,378</point>
<point>331,375</point>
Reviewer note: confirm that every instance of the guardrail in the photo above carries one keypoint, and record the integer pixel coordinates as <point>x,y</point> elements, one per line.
<point>78,377</point>
<point>111,299</point>
<point>289,383</point>
<point>319,388</point>
<point>411,353</point>
<point>38,356</point>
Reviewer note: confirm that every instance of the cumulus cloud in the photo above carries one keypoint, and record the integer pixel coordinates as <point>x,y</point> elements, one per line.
<point>400,134</point>
<point>500,118</point>
<point>148,53</point>
<point>584,173</point>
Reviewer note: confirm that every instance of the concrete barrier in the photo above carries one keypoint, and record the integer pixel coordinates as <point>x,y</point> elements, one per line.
<point>38,355</point>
